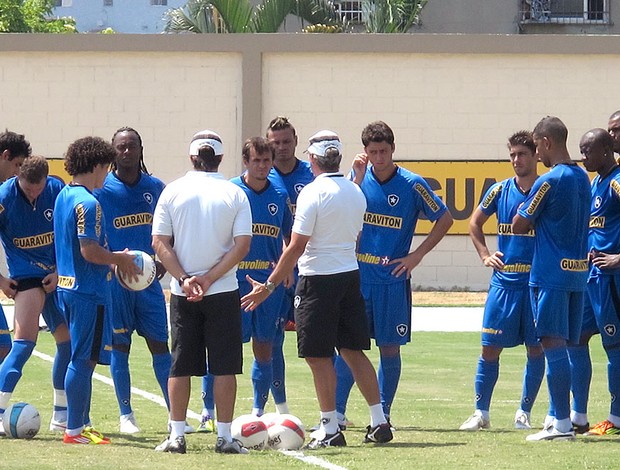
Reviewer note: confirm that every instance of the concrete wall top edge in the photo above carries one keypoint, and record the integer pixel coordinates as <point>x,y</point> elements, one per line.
<point>350,43</point>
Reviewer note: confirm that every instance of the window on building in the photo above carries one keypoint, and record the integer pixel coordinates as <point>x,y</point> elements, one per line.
<point>565,11</point>
<point>108,3</point>
<point>63,3</point>
<point>351,11</point>
<point>159,2</point>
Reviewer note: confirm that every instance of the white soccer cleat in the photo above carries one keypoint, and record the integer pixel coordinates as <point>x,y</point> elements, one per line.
<point>522,420</point>
<point>548,422</point>
<point>551,434</point>
<point>128,424</point>
<point>475,422</point>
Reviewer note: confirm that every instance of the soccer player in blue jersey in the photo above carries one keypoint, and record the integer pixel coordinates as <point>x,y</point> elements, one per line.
<point>83,264</point>
<point>613,127</point>
<point>507,320</point>
<point>558,208</point>
<point>271,227</point>
<point>26,229</point>
<point>14,148</point>
<point>601,314</point>
<point>128,199</point>
<point>396,198</point>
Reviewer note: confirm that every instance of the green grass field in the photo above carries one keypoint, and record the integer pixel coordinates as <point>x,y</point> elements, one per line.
<point>435,397</point>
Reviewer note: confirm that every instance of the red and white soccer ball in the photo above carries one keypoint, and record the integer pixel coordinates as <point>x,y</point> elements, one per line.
<point>21,421</point>
<point>149,272</point>
<point>286,433</point>
<point>251,431</point>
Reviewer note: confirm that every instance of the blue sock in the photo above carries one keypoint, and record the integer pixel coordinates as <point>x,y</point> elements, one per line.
<point>388,377</point>
<point>59,368</point>
<point>261,380</point>
<point>208,399</point>
<point>581,375</point>
<point>78,386</point>
<point>278,367</point>
<point>11,369</point>
<point>344,384</point>
<point>119,368</point>
<point>532,378</point>
<point>613,379</point>
<point>161,367</point>
<point>486,378</point>
<point>559,381</point>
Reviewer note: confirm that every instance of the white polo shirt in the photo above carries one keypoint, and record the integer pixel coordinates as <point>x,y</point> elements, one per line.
<point>203,212</point>
<point>330,210</point>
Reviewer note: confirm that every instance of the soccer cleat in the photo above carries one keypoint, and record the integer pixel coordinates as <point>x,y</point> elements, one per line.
<point>85,437</point>
<point>522,420</point>
<point>174,446</point>
<point>551,434</point>
<point>224,446</point>
<point>128,424</point>
<point>95,435</point>
<point>207,424</point>
<point>58,426</point>
<point>604,428</point>
<point>331,440</point>
<point>581,428</point>
<point>475,422</point>
<point>379,434</point>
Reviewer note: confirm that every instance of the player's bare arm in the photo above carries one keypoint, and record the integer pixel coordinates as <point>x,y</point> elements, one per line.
<point>360,163</point>
<point>520,225</point>
<point>405,265</point>
<point>96,254</point>
<point>476,233</point>
<point>284,267</point>
<point>162,244</point>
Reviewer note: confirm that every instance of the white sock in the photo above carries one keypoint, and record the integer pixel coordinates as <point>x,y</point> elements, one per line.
<point>485,414</point>
<point>282,408</point>
<point>329,422</point>
<point>60,398</point>
<point>614,419</point>
<point>257,412</point>
<point>223,430</point>
<point>563,425</point>
<point>376,415</point>
<point>580,419</point>
<point>177,428</point>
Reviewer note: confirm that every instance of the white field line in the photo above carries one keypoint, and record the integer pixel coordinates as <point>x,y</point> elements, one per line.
<point>311,460</point>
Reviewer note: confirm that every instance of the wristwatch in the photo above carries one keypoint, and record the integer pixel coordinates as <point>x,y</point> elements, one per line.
<point>270,286</point>
<point>182,279</point>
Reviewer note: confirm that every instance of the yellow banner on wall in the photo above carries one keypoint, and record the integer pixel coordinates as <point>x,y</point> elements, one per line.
<point>57,168</point>
<point>460,185</point>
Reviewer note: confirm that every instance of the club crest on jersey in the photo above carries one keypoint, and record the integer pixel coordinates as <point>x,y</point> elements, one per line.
<point>393,200</point>
<point>48,214</point>
<point>610,330</point>
<point>597,202</point>
<point>148,197</point>
<point>299,187</point>
<point>272,208</point>
<point>297,301</point>
<point>402,329</point>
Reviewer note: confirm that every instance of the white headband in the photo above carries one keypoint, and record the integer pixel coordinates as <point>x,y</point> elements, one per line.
<point>319,148</point>
<point>216,145</point>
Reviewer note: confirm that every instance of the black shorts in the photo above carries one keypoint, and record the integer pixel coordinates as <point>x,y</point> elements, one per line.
<point>210,327</point>
<point>28,283</point>
<point>330,313</point>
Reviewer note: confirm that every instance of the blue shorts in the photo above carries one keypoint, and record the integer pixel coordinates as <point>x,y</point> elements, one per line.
<point>52,313</point>
<point>604,292</point>
<point>588,322</point>
<point>263,323</point>
<point>557,313</point>
<point>90,326</point>
<point>5,333</point>
<point>508,319</point>
<point>142,311</point>
<point>388,308</point>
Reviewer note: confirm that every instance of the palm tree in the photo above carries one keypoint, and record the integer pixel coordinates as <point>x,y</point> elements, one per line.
<point>239,16</point>
<point>391,16</point>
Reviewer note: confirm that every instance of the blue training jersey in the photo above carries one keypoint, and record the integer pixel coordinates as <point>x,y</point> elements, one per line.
<point>128,211</point>
<point>294,181</point>
<point>503,199</point>
<point>27,230</point>
<point>271,221</point>
<point>559,208</point>
<point>392,212</point>
<point>78,215</point>
<point>604,232</point>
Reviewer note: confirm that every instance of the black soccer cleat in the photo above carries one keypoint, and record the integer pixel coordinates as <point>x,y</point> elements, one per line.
<point>380,434</point>
<point>174,446</point>
<point>331,440</point>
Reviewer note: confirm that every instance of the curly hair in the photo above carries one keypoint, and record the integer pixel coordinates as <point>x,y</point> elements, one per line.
<point>377,131</point>
<point>16,144</point>
<point>131,129</point>
<point>86,153</point>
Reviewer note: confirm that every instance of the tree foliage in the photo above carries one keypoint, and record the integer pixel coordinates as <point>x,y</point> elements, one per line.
<point>239,16</point>
<point>391,16</point>
<point>32,16</point>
